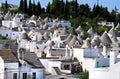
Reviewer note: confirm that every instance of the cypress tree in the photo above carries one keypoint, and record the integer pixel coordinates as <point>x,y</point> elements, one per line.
<point>33,7</point>
<point>38,9</point>
<point>30,8</point>
<point>66,10</point>
<point>25,6</point>
<point>48,8</point>
<point>21,6</point>
<point>76,8</point>
<point>6,5</point>
<point>62,7</point>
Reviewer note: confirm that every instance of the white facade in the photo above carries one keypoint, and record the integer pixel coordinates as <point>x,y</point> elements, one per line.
<point>11,69</point>
<point>6,32</point>
<point>7,23</point>
<point>50,63</point>
<point>15,35</point>
<point>15,22</point>
<point>112,72</point>
<point>23,43</point>
<point>10,33</point>
<point>11,24</point>
<point>32,46</point>
<point>1,68</point>
<point>87,57</point>
<point>110,24</point>
<point>28,72</point>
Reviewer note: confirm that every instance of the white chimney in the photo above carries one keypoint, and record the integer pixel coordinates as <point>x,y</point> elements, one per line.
<point>104,52</point>
<point>112,57</point>
<point>66,53</point>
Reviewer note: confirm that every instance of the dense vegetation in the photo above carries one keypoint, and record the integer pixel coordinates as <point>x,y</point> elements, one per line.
<point>3,37</point>
<point>84,75</point>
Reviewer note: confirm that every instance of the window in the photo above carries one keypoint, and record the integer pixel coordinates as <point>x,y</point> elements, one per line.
<point>24,75</point>
<point>97,64</point>
<point>66,67</point>
<point>34,76</point>
<point>14,75</point>
<point>119,51</point>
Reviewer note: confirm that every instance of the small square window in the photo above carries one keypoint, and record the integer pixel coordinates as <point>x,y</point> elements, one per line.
<point>34,76</point>
<point>14,75</point>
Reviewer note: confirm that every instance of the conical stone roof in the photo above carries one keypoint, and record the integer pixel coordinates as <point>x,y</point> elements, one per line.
<point>95,41</point>
<point>79,29</point>
<point>24,36</point>
<point>87,43</point>
<point>105,39</point>
<point>64,32</point>
<point>33,17</point>
<point>68,39</point>
<point>114,32</point>
<point>7,16</point>
<point>90,31</point>
<point>45,27</point>
<point>73,40</point>
<point>118,26</point>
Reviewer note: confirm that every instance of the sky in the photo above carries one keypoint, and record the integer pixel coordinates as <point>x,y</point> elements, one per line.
<point>110,4</point>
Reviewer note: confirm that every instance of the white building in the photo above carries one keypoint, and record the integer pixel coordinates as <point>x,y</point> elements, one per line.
<point>112,72</point>
<point>15,22</point>
<point>10,65</point>
<point>1,68</point>
<point>11,34</point>
<point>104,23</point>
<point>89,58</point>
<point>31,67</point>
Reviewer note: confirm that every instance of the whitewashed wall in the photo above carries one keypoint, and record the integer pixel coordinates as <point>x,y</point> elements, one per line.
<point>16,22</point>
<point>7,23</point>
<point>10,69</point>
<point>25,68</point>
<point>15,35</point>
<point>39,73</point>
<point>32,46</point>
<point>5,32</point>
<point>1,68</point>
<point>99,73</point>
<point>23,43</point>
<point>102,62</point>
<point>86,56</point>
<point>53,63</point>
<point>112,72</point>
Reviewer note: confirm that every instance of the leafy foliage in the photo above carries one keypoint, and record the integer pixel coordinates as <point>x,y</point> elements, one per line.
<point>3,37</point>
<point>84,75</point>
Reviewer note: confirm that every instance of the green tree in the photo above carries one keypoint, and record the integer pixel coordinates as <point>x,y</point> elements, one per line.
<point>6,5</point>
<point>62,7</point>
<point>48,8</point>
<point>84,10</point>
<point>96,11</point>
<point>25,6</point>
<point>112,16</point>
<point>21,5</point>
<point>76,8</point>
<point>66,10</point>
<point>55,7</point>
<point>33,7</point>
<point>38,9</point>
<point>30,8</point>
<point>84,75</point>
